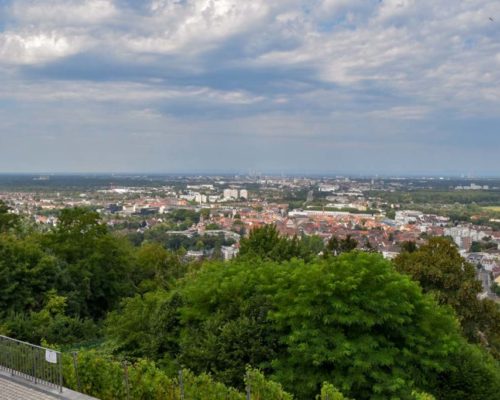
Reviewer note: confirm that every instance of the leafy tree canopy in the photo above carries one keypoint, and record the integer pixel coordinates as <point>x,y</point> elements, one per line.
<point>8,220</point>
<point>440,270</point>
<point>350,320</point>
<point>266,243</point>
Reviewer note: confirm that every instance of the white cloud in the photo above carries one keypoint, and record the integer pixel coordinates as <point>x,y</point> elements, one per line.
<point>430,52</point>
<point>401,112</point>
<point>34,48</point>
<point>195,26</point>
<point>122,92</point>
<point>60,12</point>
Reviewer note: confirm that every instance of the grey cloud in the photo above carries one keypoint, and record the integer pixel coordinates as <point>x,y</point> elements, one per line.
<point>226,84</point>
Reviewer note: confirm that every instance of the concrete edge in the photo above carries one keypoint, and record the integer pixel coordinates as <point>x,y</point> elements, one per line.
<point>67,394</point>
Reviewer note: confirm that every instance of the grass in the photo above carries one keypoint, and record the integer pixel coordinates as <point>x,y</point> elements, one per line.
<point>492,208</point>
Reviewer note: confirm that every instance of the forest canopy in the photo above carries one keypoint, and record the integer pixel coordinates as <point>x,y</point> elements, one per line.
<point>311,318</point>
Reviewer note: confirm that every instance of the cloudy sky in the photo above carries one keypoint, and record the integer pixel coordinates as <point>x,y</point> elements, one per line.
<point>311,86</point>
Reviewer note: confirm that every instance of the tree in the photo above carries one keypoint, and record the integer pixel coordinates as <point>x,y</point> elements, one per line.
<point>350,320</point>
<point>76,232</point>
<point>26,273</point>
<point>212,227</point>
<point>8,220</point>
<point>329,392</point>
<point>376,345</point>
<point>261,242</point>
<point>50,324</point>
<point>266,243</point>
<point>475,247</point>
<point>312,244</point>
<point>440,270</point>
<point>409,246</point>
<point>205,213</point>
<point>96,266</point>
<point>473,375</point>
<point>333,245</point>
<point>224,324</point>
<point>390,213</point>
<point>344,245</point>
<point>146,326</point>
<point>155,267</point>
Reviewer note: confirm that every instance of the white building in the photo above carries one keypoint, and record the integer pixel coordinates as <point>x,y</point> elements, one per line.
<point>230,194</point>
<point>408,216</point>
<point>229,252</point>
<point>200,198</point>
<point>328,188</point>
<point>459,233</point>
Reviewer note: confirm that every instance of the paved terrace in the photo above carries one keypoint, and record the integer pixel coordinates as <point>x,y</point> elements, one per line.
<point>15,388</point>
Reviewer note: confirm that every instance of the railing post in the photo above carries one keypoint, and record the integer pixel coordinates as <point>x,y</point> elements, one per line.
<point>181,385</point>
<point>125,370</point>
<point>248,388</point>
<point>11,361</point>
<point>77,375</point>
<point>31,362</point>
<point>34,366</point>
<point>59,358</point>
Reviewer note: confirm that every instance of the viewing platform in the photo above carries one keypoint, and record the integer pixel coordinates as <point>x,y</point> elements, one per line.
<point>30,372</point>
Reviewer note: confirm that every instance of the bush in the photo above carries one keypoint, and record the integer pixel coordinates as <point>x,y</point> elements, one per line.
<point>262,389</point>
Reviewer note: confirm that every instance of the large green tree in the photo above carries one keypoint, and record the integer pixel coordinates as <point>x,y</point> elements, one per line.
<point>8,220</point>
<point>146,326</point>
<point>350,320</point>
<point>337,246</point>
<point>96,266</point>
<point>26,274</point>
<point>353,321</point>
<point>442,271</point>
<point>266,243</point>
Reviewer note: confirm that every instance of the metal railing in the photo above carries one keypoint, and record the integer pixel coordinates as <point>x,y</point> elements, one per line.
<point>33,363</point>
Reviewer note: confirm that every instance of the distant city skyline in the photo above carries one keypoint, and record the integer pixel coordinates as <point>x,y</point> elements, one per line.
<point>243,174</point>
<point>389,87</point>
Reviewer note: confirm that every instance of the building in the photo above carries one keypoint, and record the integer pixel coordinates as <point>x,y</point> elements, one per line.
<point>230,194</point>
<point>229,252</point>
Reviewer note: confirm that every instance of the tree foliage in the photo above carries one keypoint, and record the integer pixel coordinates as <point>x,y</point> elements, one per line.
<point>441,271</point>
<point>350,320</point>
<point>8,221</point>
<point>376,345</point>
<point>266,243</point>
<point>337,246</point>
<point>104,378</point>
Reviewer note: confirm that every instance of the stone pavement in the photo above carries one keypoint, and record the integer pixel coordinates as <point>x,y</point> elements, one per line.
<point>10,390</point>
<point>15,388</point>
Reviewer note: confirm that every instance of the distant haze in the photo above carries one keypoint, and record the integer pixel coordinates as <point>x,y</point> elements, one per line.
<point>285,86</point>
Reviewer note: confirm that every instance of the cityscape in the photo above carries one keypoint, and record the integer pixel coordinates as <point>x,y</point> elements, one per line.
<point>249,200</point>
<point>183,211</point>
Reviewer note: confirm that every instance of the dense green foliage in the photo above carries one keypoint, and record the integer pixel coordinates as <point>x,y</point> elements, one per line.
<point>266,243</point>
<point>441,271</point>
<point>346,325</point>
<point>8,220</point>
<point>164,235</point>
<point>439,196</point>
<point>108,379</point>
<point>337,246</point>
<point>477,206</point>
<point>350,320</point>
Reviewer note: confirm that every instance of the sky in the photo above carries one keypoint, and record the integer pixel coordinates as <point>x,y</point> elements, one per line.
<point>270,86</point>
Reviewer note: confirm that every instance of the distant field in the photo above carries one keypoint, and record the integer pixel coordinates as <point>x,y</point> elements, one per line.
<point>492,208</point>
